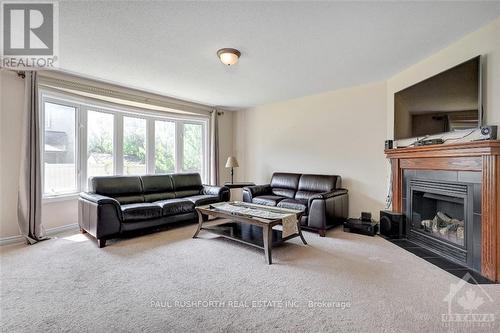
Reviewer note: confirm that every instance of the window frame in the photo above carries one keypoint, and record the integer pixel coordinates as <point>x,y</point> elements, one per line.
<point>147,143</point>
<point>84,145</point>
<point>83,105</point>
<point>152,133</point>
<point>204,146</point>
<point>51,100</point>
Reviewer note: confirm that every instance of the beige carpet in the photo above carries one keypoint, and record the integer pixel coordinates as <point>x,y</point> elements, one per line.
<point>168,281</point>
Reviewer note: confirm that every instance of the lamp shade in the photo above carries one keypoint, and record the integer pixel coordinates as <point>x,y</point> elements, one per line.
<point>232,162</point>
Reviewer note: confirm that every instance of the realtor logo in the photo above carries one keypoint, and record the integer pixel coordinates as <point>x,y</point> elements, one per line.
<point>29,36</point>
<point>464,305</point>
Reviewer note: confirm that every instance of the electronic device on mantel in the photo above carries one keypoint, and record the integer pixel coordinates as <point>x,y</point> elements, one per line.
<point>429,142</point>
<point>489,132</point>
<point>478,134</point>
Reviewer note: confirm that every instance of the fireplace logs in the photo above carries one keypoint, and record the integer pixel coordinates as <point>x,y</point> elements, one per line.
<point>444,226</point>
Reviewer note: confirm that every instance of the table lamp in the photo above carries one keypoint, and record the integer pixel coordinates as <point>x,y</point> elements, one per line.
<point>232,162</point>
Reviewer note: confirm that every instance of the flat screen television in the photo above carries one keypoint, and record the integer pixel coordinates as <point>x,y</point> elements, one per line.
<point>449,101</point>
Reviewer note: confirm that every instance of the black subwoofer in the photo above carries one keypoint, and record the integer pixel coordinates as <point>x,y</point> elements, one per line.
<point>392,224</point>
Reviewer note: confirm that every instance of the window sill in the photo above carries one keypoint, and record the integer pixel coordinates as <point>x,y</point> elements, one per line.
<point>59,198</point>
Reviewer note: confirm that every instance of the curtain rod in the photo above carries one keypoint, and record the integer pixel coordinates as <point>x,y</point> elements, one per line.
<point>219,113</point>
<point>22,74</point>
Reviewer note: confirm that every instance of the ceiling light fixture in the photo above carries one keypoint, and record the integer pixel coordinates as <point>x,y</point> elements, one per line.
<point>229,56</point>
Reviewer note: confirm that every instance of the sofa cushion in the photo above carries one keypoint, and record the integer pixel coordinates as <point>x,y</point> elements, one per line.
<point>294,204</point>
<point>125,189</point>
<point>317,183</point>
<point>267,200</point>
<point>115,185</point>
<point>285,184</point>
<point>186,193</point>
<point>186,181</point>
<point>175,206</point>
<point>186,184</point>
<point>129,199</point>
<point>157,187</point>
<point>140,211</point>
<point>310,185</point>
<point>203,199</point>
<point>285,180</point>
<point>152,197</point>
<point>283,192</point>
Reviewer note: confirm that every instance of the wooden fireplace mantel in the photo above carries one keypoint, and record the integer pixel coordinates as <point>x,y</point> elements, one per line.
<point>480,156</point>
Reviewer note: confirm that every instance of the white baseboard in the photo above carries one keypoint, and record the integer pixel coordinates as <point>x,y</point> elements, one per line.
<point>11,240</point>
<point>48,232</point>
<point>63,228</point>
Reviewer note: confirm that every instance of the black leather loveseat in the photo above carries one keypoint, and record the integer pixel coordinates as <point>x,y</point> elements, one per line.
<point>117,204</point>
<point>324,202</point>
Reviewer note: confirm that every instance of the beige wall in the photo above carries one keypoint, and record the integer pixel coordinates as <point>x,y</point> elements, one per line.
<point>486,42</point>
<point>225,144</point>
<point>11,98</point>
<point>55,214</point>
<point>340,132</point>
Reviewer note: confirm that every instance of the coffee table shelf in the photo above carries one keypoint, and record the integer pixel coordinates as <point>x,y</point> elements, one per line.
<point>254,231</point>
<point>245,233</point>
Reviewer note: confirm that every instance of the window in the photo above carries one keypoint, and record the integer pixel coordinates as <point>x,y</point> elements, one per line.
<point>164,146</point>
<point>59,149</point>
<point>134,146</point>
<point>100,128</point>
<point>83,139</point>
<point>192,148</point>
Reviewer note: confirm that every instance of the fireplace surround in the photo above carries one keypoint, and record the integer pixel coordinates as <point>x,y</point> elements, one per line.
<point>475,165</point>
<point>441,215</point>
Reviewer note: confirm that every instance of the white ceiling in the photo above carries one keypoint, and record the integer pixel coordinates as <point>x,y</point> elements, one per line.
<point>288,49</point>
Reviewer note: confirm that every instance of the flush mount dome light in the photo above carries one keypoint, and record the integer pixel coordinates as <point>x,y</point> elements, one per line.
<point>229,56</point>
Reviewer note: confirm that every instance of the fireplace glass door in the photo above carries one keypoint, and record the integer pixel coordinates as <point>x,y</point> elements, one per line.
<point>440,216</point>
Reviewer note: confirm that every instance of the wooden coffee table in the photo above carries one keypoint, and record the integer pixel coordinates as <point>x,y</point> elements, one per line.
<point>254,231</point>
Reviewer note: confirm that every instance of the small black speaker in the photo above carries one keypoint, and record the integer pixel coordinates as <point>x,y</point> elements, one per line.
<point>388,144</point>
<point>392,224</point>
<point>489,132</point>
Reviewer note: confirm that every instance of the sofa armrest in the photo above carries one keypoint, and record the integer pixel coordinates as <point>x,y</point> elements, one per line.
<point>327,195</point>
<point>99,215</point>
<point>250,192</point>
<point>222,192</point>
<point>328,208</point>
<point>99,199</point>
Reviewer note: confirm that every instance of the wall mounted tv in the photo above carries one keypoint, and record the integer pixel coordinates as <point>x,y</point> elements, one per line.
<point>448,101</point>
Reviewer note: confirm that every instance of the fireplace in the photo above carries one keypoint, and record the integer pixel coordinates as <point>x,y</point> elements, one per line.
<point>440,218</point>
<point>476,163</point>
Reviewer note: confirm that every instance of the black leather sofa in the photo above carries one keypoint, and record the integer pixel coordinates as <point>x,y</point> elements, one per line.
<point>117,204</point>
<point>321,197</point>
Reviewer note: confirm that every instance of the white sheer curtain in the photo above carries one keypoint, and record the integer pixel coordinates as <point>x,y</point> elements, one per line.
<point>29,206</point>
